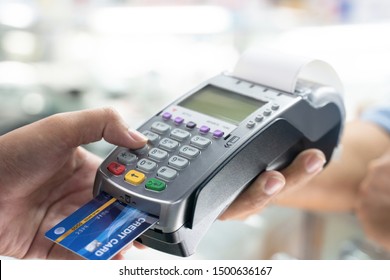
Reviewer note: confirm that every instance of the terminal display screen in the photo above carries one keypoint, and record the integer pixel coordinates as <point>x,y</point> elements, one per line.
<point>222,104</point>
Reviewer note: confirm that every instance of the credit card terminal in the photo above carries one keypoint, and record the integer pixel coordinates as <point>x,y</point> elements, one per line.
<point>206,147</point>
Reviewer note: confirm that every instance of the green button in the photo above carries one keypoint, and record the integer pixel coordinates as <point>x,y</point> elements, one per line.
<point>155,185</point>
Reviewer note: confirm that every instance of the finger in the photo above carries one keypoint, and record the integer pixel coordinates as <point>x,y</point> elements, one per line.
<point>257,196</point>
<point>119,257</point>
<point>305,166</point>
<point>83,127</point>
<point>266,187</point>
<point>139,245</point>
<point>123,252</point>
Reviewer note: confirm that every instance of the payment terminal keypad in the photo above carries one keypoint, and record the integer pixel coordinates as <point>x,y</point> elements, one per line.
<point>172,145</point>
<point>146,165</point>
<point>152,137</point>
<point>179,134</point>
<point>200,142</point>
<point>178,162</point>
<point>127,157</point>
<point>168,144</point>
<point>189,152</point>
<point>167,173</point>
<point>160,127</point>
<point>134,177</point>
<point>158,154</point>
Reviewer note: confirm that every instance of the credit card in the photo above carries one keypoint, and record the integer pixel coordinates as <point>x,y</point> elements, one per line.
<point>101,228</point>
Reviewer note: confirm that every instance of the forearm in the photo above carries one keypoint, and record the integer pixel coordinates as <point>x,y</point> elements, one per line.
<point>335,189</point>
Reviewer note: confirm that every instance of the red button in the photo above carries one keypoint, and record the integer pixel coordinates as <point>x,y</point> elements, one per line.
<point>116,168</point>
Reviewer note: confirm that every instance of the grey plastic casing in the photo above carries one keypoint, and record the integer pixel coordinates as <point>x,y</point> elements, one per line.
<point>269,138</point>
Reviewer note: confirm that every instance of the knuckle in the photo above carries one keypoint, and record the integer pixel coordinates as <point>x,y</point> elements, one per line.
<point>111,113</point>
<point>255,203</point>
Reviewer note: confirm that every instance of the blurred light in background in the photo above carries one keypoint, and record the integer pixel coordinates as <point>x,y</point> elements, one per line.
<point>19,43</point>
<point>33,103</point>
<point>17,15</point>
<point>161,20</point>
<point>16,73</point>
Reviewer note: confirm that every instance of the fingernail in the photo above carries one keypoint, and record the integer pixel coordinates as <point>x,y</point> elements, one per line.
<point>273,185</point>
<point>314,163</point>
<point>137,136</point>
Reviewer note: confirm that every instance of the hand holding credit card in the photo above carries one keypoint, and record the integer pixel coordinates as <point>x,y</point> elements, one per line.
<point>101,228</point>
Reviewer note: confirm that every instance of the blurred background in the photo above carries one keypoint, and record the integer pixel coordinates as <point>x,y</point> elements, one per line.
<point>138,55</point>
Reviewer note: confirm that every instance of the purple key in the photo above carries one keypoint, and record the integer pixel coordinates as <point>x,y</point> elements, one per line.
<point>204,129</point>
<point>166,115</point>
<point>179,120</point>
<point>218,133</point>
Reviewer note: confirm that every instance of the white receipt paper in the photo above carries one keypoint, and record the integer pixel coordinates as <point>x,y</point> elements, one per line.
<point>282,71</point>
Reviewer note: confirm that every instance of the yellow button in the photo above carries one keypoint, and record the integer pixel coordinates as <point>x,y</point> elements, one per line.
<point>134,177</point>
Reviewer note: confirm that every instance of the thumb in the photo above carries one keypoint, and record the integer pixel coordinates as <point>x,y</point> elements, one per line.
<point>42,148</point>
<point>82,127</point>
